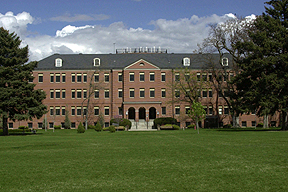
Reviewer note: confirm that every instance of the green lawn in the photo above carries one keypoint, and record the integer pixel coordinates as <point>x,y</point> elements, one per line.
<point>145,161</point>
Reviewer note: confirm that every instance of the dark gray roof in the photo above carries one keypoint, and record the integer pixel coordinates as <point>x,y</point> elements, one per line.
<point>120,61</point>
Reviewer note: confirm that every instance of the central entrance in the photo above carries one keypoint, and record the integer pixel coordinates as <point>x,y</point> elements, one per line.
<point>142,113</point>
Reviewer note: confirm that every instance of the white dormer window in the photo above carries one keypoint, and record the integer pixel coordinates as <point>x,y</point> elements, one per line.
<point>58,62</point>
<point>186,61</point>
<point>96,62</point>
<point>225,61</point>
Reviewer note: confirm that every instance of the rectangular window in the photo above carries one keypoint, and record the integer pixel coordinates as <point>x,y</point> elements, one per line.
<point>51,94</point>
<point>51,111</point>
<point>40,78</point>
<point>96,94</point>
<point>142,93</point>
<point>152,93</point>
<point>177,77</point>
<point>120,77</point>
<point>96,78</point>
<point>85,77</point>
<point>57,110</point>
<point>163,93</point>
<point>210,93</point>
<point>177,93</point>
<point>79,93</point>
<point>131,93</point>
<point>226,110</point>
<point>73,125</point>
<point>79,78</point>
<point>63,110</point>
<point>63,93</point>
<point>10,125</point>
<point>57,93</point>
<point>205,109</point>
<point>187,109</point>
<point>198,76</point>
<point>204,93</point>
<point>177,110</point>
<point>254,124</point>
<point>204,77</point>
<point>51,125</point>
<point>84,110</point>
<point>84,93</point>
<point>57,77</point>
<point>187,93</point>
<point>120,111</point>
<point>51,77</point>
<point>120,93</point>
<point>106,78</point>
<point>152,76</point>
<point>210,110</point>
<point>79,110</point>
<point>63,77</point>
<point>187,76</point>
<point>210,77</point>
<point>106,93</point>
<point>163,77</point>
<point>73,93</point>
<point>131,77</point>
<point>96,110</point>
<point>142,77</point>
<point>244,124</point>
<point>220,110</point>
<point>40,125</point>
<point>163,110</point>
<point>73,77</point>
<point>72,110</point>
<point>106,111</point>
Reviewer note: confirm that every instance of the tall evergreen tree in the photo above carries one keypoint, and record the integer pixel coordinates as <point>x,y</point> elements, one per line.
<point>18,98</point>
<point>263,82</point>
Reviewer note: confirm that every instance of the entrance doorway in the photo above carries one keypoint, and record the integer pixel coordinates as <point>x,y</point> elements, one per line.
<point>142,113</point>
<point>131,113</point>
<point>152,113</point>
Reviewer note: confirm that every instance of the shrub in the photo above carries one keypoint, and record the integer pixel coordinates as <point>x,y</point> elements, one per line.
<point>112,129</point>
<point>260,125</point>
<point>122,122</point>
<point>22,127</point>
<point>175,127</point>
<point>106,129</point>
<point>98,127</point>
<point>91,127</point>
<point>80,128</point>
<point>164,120</point>
<point>192,126</point>
<point>57,126</point>
<point>227,126</point>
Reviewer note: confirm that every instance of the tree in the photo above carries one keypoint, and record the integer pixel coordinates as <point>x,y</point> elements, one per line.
<point>264,62</point>
<point>18,98</point>
<point>197,113</point>
<point>67,122</point>
<point>222,40</point>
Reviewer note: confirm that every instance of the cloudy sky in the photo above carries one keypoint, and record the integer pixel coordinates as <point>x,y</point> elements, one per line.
<point>97,26</point>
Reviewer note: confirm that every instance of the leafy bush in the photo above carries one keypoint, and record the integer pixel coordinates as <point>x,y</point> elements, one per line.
<point>164,120</point>
<point>22,127</point>
<point>57,126</point>
<point>192,126</point>
<point>227,126</point>
<point>112,129</point>
<point>91,127</point>
<point>80,128</point>
<point>123,122</point>
<point>175,127</point>
<point>106,129</point>
<point>260,125</point>
<point>98,127</point>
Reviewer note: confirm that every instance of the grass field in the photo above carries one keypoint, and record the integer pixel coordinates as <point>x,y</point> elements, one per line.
<point>180,160</point>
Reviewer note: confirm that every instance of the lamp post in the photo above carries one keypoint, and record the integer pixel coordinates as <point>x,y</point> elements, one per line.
<point>147,120</point>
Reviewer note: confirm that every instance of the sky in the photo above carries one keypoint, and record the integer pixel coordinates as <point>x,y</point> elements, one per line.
<point>99,26</point>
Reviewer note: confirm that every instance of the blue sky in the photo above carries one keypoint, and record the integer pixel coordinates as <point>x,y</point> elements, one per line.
<point>124,22</point>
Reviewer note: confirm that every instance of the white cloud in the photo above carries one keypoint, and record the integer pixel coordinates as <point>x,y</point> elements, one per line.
<point>178,36</point>
<point>80,17</point>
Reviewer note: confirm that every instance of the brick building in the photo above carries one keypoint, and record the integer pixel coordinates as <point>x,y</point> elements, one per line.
<point>137,86</point>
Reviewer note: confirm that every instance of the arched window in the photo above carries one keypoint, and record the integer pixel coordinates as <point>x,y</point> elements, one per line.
<point>58,62</point>
<point>96,62</point>
<point>186,61</point>
<point>225,61</point>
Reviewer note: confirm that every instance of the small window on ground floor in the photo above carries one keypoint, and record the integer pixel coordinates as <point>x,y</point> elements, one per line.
<point>107,124</point>
<point>40,125</point>
<point>244,124</point>
<point>253,123</point>
<point>10,125</point>
<point>51,125</point>
<point>73,125</point>
<point>30,125</point>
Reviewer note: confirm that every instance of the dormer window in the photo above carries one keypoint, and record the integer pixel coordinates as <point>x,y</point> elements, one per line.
<point>224,61</point>
<point>96,62</point>
<point>186,61</point>
<point>58,62</point>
